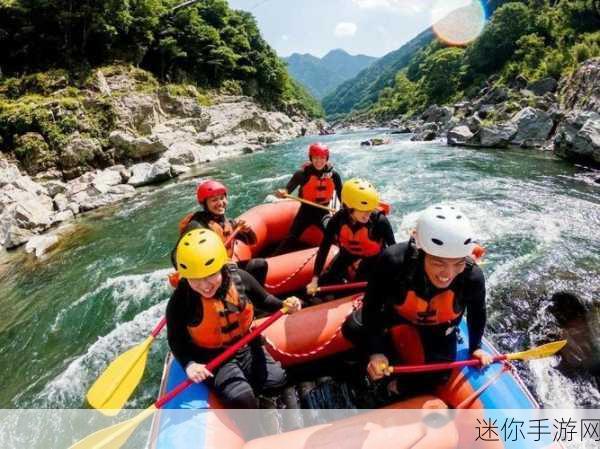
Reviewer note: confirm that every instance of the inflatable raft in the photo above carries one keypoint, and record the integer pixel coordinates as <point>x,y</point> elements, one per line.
<point>271,223</point>
<point>312,336</point>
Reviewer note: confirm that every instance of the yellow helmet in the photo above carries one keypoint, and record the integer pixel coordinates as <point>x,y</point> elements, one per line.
<point>360,195</point>
<point>200,253</point>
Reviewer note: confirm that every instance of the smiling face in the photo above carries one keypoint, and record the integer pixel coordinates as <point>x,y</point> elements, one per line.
<point>319,162</point>
<point>207,287</point>
<point>217,204</point>
<point>441,271</point>
<point>360,216</point>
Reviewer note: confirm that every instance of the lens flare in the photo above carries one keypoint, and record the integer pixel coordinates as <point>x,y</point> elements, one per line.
<point>458,22</point>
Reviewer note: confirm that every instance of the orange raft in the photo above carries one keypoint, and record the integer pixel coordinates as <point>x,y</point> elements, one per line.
<point>271,223</point>
<point>313,334</point>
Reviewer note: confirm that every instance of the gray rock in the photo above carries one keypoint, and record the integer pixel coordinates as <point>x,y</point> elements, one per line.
<point>543,86</point>
<point>459,135</point>
<point>55,187</point>
<point>581,91</point>
<point>41,244</point>
<point>61,202</point>
<point>139,174</point>
<point>136,147</point>
<point>65,215</point>
<point>160,172</point>
<point>109,177</point>
<point>495,95</point>
<point>439,114</point>
<point>183,153</point>
<point>79,152</point>
<point>497,136</point>
<point>474,123</point>
<point>533,127</point>
<point>178,170</point>
<point>578,136</point>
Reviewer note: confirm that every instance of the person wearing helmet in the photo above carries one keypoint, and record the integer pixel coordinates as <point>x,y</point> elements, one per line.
<point>212,308</point>
<point>318,183</point>
<point>360,230</point>
<point>418,294</point>
<point>212,196</point>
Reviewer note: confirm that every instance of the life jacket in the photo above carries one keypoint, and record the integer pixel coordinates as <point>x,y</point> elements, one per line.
<point>441,309</point>
<point>222,231</point>
<point>358,243</point>
<point>226,320</point>
<point>318,189</point>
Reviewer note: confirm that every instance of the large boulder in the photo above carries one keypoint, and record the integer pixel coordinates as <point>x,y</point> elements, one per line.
<point>138,111</point>
<point>109,177</point>
<point>543,86</point>
<point>41,244</point>
<point>181,106</point>
<point>533,127</point>
<point>144,173</point>
<point>581,91</point>
<point>459,135</point>
<point>495,95</point>
<point>183,153</point>
<point>497,136</point>
<point>136,147</point>
<point>77,156</point>
<point>578,136</point>
<point>437,114</point>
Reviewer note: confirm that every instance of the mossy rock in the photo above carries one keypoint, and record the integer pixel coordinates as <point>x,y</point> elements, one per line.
<point>33,152</point>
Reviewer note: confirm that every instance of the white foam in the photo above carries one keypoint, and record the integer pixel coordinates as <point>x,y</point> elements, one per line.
<point>69,387</point>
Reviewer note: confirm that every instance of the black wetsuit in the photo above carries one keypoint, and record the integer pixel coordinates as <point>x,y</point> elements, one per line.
<point>307,215</point>
<point>379,229</point>
<point>398,270</point>
<point>251,369</point>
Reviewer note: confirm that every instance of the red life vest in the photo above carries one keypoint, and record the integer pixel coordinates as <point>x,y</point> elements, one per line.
<point>319,190</point>
<point>358,243</point>
<point>439,310</point>
<point>224,321</point>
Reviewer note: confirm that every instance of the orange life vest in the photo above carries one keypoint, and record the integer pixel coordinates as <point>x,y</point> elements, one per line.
<point>318,190</point>
<point>222,231</point>
<point>439,310</point>
<point>224,321</point>
<point>358,243</point>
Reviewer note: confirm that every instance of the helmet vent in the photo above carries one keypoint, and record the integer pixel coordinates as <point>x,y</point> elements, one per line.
<point>209,262</point>
<point>467,241</point>
<point>441,217</point>
<point>186,243</point>
<point>184,266</point>
<point>201,241</point>
<point>437,242</point>
<point>458,217</point>
<point>438,207</point>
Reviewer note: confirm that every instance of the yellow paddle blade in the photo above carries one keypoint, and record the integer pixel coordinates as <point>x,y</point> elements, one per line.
<point>547,350</point>
<point>113,388</point>
<point>115,436</point>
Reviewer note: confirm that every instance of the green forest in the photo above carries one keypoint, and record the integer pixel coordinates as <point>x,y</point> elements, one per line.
<point>203,43</point>
<point>532,39</point>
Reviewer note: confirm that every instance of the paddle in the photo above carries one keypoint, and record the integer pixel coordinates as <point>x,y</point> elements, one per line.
<point>115,436</point>
<point>340,287</point>
<point>310,203</point>
<point>539,352</point>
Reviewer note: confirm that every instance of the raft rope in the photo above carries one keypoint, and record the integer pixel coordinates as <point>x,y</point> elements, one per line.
<point>293,275</point>
<point>356,303</point>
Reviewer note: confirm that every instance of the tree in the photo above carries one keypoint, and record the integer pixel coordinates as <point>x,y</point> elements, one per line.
<point>441,73</point>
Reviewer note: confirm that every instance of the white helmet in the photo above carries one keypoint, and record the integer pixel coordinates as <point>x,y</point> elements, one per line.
<point>444,231</point>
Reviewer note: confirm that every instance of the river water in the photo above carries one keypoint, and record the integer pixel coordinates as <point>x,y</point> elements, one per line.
<point>65,318</point>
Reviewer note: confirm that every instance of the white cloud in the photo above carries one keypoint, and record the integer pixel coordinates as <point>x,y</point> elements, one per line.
<point>345,29</point>
<point>285,37</point>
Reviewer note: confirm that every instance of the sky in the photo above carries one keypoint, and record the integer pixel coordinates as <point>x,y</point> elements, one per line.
<point>371,27</point>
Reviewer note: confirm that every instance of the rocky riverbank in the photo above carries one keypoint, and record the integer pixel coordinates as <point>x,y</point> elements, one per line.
<point>157,135</point>
<point>549,115</point>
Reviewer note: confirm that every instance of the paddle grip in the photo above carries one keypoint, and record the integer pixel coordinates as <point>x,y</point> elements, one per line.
<point>159,327</point>
<point>340,287</point>
<point>226,355</point>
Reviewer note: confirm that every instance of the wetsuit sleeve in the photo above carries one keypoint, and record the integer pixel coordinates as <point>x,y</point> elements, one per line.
<point>258,295</point>
<point>476,313</point>
<point>178,337</point>
<point>297,180</point>
<point>337,180</point>
<point>385,230</point>
<point>374,301</point>
<point>331,230</point>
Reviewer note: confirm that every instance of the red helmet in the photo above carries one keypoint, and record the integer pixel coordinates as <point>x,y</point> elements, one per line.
<point>209,188</point>
<point>318,149</point>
